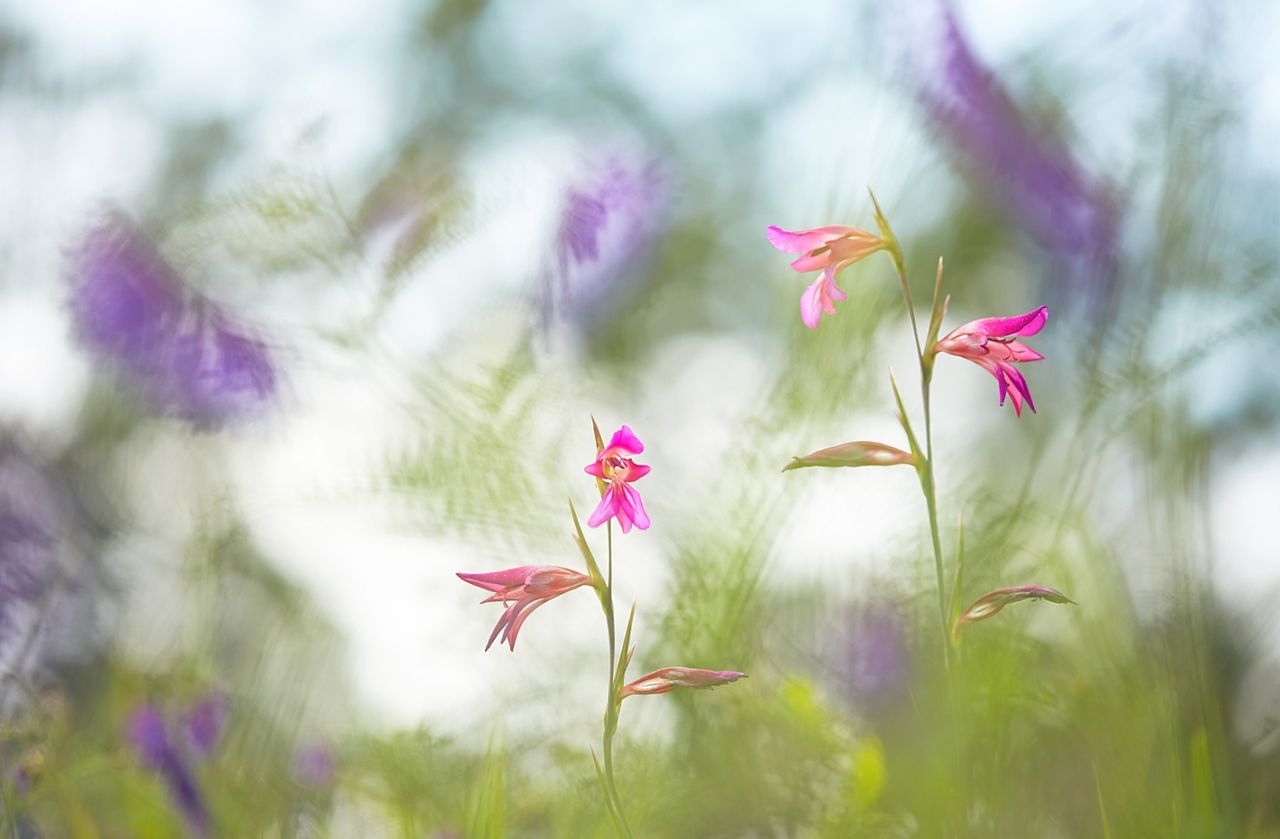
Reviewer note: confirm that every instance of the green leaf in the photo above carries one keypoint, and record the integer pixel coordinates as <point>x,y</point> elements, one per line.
<point>593,569</point>
<point>906,425</point>
<point>624,660</point>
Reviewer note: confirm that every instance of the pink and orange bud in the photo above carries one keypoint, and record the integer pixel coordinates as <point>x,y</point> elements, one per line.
<point>856,453</point>
<point>992,344</point>
<point>613,466</point>
<point>828,249</point>
<point>522,590</point>
<point>989,604</point>
<point>670,678</point>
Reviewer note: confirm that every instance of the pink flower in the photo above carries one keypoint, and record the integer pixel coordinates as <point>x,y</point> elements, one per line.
<point>991,343</point>
<point>620,500</point>
<point>522,590</point>
<point>830,249</point>
<point>670,678</point>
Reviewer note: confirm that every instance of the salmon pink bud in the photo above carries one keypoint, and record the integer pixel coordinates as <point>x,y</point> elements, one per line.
<point>992,344</point>
<point>670,678</point>
<point>522,590</point>
<point>857,453</point>
<point>614,467</point>
<point>828,249</point>
<point>992,602</point>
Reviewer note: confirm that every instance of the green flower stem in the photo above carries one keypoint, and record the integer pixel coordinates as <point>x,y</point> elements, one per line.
<point>925,470</point>
<point>611,703</point>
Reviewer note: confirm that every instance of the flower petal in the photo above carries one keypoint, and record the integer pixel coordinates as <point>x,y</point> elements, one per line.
<point>637,512</point>
<point>1023,325</point>
<point>606,509</point>
<point>811,304</point>
<point>803,241</point>
<point>499,580</point>
<point>625,440</point>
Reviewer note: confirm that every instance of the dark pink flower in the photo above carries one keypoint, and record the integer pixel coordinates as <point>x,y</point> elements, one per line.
<point>522,590</point>
<point>670,678</point>
<point>992,344</point>
<point>613,466</point>
<point>828,249</point>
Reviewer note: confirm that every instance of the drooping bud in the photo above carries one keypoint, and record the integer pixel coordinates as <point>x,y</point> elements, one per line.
<point>855,453</point>
<point>992,602</point>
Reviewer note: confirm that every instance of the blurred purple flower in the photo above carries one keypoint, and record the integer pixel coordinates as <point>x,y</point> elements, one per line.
<point>611,220</point>
<point>150,736</point>
<point>876,655</point>
<point>31,524</point>
<point>186,354</point>
<point>1031,173</point>
<point>314,765</point>
<point>204,722</point>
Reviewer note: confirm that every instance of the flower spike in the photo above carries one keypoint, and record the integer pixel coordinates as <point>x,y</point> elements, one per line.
<point>992,344</point>
<point>829,249</point>
<point>613,466</point>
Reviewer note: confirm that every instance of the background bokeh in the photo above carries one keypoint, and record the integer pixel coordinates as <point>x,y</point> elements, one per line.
<point>305,308</point>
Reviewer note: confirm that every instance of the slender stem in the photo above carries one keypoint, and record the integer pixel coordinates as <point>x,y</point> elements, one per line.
<point>931,501</point>
<point>611,704</point>
<point>926,474</point>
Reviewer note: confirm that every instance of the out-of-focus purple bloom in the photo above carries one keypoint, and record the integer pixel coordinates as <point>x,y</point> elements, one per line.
<point>611,220</point>
<point>151,738</point>
<point>204,722</point>
<point>876,655</point>
<point>1032,173</point>
<point>315,765</point>
<point>186,354</point>
<point>31,524</point>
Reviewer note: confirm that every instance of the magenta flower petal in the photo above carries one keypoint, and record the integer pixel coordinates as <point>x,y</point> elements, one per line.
<point>605,510</point>
<point>1021,325</point>
<point>500,580</point>
<point>625,440</point>
<point>636,507</point>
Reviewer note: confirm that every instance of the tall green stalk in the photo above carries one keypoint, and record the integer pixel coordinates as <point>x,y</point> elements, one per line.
<point>925,470</point>
<point>611,702</point>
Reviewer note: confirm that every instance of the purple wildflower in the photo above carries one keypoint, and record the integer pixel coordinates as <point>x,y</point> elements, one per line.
<point>204,722</point>
<point>185,353</point>
<point>1032,174</point>
<point>876,655</point>
<point>609,224</point>
<point>31,522</point>
<point>150,736</point>
<point>314,765</point>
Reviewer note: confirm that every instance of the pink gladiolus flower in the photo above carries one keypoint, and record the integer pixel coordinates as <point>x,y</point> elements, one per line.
<point>522,590</point>
<point>992,343</point>
<point>830,249</point>
<point>620,499</point>
<point>670,678</point>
